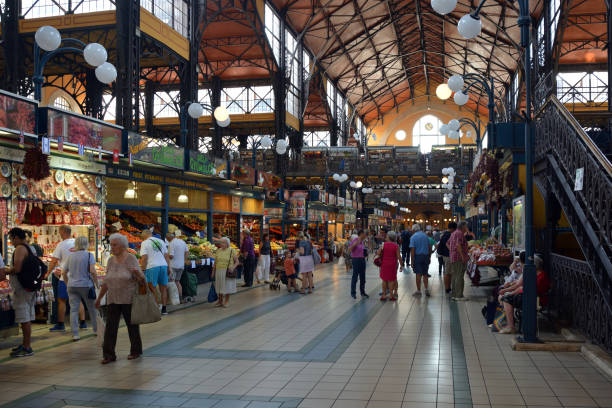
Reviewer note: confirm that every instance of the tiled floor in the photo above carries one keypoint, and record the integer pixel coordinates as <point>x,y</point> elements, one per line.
<point>273,349</point>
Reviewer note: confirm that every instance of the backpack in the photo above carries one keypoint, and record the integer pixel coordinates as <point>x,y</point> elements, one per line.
<point>32,272</point>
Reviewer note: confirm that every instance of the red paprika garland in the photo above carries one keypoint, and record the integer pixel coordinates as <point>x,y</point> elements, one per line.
<point>36,164</point>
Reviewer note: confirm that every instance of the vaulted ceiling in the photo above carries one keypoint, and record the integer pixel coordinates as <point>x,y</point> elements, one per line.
<point>384,52</point>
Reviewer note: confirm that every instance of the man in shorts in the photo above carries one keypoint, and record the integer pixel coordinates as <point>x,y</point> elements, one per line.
<point>178,254</point>
<point>420,252</point>
<point>23,301</point>
<point>154,261</point>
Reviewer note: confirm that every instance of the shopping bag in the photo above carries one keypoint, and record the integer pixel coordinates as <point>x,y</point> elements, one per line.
<point>500,320</point>
<point>101,328</point>
<point>316,257</point>
<point>341,260</point>
<point>212,294</point>
<point>144,307</point>
<point>173,294</point>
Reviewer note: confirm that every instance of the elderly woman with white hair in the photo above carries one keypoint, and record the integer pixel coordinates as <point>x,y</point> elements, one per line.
<point>224,271</point>
<point>120,283</point>
<point>79,274</point>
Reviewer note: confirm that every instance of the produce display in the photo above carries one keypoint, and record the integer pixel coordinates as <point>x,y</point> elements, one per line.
<point>188,224</point>
<point>492,255</point>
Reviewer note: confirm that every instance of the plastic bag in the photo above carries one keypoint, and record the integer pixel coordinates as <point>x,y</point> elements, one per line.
<point>341,260</point>
<point>173,294</point>
<point>101,328</point>
<point>212,294</point>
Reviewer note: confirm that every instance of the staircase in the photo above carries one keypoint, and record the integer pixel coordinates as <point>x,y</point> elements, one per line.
<point>561,148</point>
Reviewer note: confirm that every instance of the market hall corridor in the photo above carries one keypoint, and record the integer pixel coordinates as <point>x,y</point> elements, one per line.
<point>273,349</point>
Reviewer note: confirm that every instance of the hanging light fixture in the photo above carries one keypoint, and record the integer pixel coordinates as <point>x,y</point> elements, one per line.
<point>400,135</point>
<point>182,198</point>
<point>130,193</point>
<point>158,196</point>
<point>443,6</point>
<point>469,26</point>
<point>461,98</point>
<point>444,180</point>
<point>443,92</point>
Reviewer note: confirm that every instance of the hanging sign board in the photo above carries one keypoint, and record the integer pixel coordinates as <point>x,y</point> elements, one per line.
<point>243,174</point>
<point>269,181</point>
<point>17,114</point>
<point>75,130</point>
<point>201,164</point>
<point>149,150</point>
<point>297,205</point>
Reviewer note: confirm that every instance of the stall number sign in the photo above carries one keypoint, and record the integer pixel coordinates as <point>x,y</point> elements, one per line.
<point>579,179</point>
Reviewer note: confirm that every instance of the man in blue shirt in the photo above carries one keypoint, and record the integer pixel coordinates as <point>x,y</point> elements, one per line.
<point>420,252</point>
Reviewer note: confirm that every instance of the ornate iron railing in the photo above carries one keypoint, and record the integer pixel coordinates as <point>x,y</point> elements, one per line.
<point>559,134</point>
<point>565,148</point>
<point>575,297</point>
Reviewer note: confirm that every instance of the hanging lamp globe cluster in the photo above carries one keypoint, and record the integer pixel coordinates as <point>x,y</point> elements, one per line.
<point>451,129</point>
<point>469,25</point>
<point>221,115</point>
<point>340,178</point>
<point>49,39</point>
<point>450,174</point>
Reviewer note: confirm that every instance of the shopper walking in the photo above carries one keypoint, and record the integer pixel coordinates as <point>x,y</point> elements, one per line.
<point>247,250</point>
<point>58,261</point>
<point>405,239</point>
<point>304,249</point>
<point>348,263</point>
<point>154,261</point>
<point>444,253</point>
<point>263,267</point>
<point>420,253</point>
<point>389,252</point>
<point>80,276</point>
<point>24,301</point>
<point>178,254</point>
<point>123,274</point>
<point>226,260</point>
<point>457,246</point>
<point>357,250</point>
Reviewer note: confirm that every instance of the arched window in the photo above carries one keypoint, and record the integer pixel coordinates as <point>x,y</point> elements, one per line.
<point>62,103</point>
<point>426,133</point>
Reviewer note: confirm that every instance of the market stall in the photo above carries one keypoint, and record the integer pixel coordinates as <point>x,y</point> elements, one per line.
<point>488,262</point>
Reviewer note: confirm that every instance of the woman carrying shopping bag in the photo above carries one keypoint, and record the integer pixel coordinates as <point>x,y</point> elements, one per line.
<point>120,285</point>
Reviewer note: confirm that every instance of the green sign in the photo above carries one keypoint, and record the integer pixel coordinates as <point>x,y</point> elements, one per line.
<point>168,156</point>
<point>145,149</point>
<point>199,163</point>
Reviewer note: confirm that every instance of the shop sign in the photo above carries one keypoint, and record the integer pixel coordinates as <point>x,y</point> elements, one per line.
<point>76,165</point>
<point>235,204</point>
<point>269,181</point>
<point>9,154</point>
<point>17,114</point>
<point>297,205</point>
<point>147,150</point>
<point>331,199</point>
<point>243,174</point>
<point>78,129</point>
<point>201,164</point>
<point>340,201</point>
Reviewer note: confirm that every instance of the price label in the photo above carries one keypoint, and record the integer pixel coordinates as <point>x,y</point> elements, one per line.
<point>203,261</point>
<point>193,264</point>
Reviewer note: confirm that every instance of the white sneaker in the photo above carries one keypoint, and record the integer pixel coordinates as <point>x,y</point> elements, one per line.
<point>417,293</point>
<point>76,338</point>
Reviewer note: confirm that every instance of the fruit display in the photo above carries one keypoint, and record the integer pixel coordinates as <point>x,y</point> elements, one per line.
<point>201,248</point>
<point>493,255</point>
<point>186,223</point>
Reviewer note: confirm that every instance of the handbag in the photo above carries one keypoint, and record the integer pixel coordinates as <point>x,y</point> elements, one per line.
<point>144,307</point>
<point>378,261</point>
<point>91,294</point>
<point>231,273</point>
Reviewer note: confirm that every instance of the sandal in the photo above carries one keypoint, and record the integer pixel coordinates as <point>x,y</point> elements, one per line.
<point>393,299</point>
<point>133,356</point>
<point>108,360</point>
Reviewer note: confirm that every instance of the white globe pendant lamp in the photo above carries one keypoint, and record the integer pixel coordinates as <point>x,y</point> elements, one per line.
<point>400,135</point>
<point>106,73</point>
<point>443,92</point>
<point>454,124</point>
<point>444,129</point>
<point>469,26</point>
<point>455,83</point>
<point>453,134</point>
<point>95,54</point>
<point>221,114</point>
<point>195,110</point>
<point>352,184</point>
<point>443,6</point>
<point>359,184</point>
<point>336,177</point>
<point>48,38</point>
<point>266,142</point>
<point>461,98</point>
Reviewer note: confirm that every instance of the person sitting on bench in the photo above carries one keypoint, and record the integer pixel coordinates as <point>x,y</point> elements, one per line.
<point>512,296</point>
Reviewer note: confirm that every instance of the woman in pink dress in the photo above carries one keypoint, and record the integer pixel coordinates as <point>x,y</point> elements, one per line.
<point>391,257</point>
